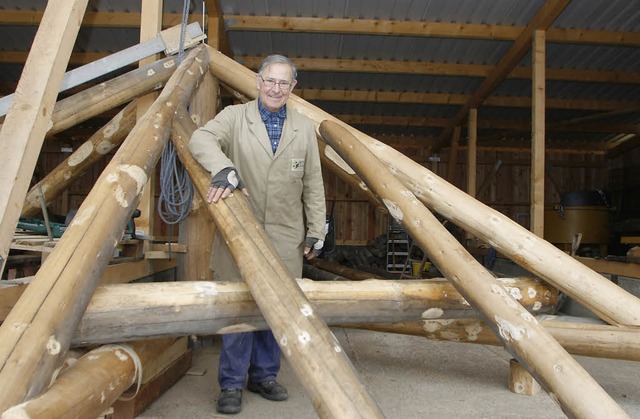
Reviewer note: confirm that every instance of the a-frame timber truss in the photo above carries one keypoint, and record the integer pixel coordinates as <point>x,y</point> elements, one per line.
<point>40,329</point>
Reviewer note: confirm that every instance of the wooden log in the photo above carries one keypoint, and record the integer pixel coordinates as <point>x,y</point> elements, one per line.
<point>538,256</point>
<point>38,331</point>
<point>120,273</point>
<point>317,274</point>
<point>594,340</point>
<point>102,142</point>
<point>124,312</point>
<point>538,126</point>
<point>93,383</point>
<point>29,115</point>
<point>312,350</point>
<point>105,96</point>
<point>520,381</point>
<point>198,229</point>
<point>521,334</point>
<point>337,269</point>
<point>149,392</point>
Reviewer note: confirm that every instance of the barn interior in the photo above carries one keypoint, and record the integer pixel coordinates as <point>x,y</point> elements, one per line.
<point>513,124</point>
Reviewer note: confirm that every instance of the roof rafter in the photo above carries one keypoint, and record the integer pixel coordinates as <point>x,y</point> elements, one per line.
<point>346,26</point>
<point>446,69</point>
<point>543,18</point>
<point>423,29</point>
<point>456,99</point>
<point>483,124</point>
<point>388,67</point>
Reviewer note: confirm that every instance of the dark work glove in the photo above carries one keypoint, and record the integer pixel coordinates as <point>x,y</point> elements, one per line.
<point>227,178</point>
<point>314,245</point>
<point>224,183</point>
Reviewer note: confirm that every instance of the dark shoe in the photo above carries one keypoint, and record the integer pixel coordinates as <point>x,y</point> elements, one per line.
<point>270,390</point>
<point>230,401</point>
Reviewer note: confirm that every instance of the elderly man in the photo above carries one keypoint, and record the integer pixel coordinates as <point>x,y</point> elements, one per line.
<point>271,154</point>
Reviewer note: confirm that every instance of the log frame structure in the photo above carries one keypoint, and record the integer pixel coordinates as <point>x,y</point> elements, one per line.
<point>117,189</point>
<point>520,333</point>
<point>433,192</point>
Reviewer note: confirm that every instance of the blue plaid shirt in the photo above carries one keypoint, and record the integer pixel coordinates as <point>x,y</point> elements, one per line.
<point>274,122</point>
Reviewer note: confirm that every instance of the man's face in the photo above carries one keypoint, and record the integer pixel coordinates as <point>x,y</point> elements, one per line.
<point>274,98</point>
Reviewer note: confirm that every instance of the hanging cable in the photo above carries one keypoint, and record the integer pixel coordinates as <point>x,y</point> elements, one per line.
<point>176,188</point>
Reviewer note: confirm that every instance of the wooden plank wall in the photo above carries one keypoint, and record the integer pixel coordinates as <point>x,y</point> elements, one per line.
<point>52,156</point>
<point>509,191</point>
<point>358,222</point>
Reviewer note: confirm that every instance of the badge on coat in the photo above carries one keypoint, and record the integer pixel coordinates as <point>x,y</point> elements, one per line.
<point>297,165</point>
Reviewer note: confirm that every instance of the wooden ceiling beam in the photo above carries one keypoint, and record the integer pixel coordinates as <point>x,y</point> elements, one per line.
<point>543,18</point>
<point>423,29</point>
<point>95,19</point>
<point>416,142</point>
<point>504,124</point>
<point>456,99</point>
<point>215,22</point>
<point>349,26</point>
<point>390,67</point>
<point>446,69</point>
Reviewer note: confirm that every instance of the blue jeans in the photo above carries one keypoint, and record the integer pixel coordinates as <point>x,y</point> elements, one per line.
<point>255,353</point>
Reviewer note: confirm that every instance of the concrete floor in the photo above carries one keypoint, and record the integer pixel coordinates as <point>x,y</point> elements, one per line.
<point>409,377</point>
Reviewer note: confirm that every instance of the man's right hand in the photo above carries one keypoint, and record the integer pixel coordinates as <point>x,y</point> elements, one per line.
<point>223,183</point>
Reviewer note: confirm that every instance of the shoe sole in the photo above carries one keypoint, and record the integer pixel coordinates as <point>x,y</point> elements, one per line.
<point>229,409</point>
<point>273,398</point>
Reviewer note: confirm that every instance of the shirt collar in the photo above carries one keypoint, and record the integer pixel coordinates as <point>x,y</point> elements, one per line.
<point>266,113</point>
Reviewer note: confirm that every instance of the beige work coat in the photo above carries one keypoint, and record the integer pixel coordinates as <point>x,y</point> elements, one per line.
<point>285,190</point>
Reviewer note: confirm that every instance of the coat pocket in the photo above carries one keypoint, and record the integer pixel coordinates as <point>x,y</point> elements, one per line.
<point>296,169</point>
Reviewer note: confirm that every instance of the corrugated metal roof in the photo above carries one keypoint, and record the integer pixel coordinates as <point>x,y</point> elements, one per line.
<point>612,15</point>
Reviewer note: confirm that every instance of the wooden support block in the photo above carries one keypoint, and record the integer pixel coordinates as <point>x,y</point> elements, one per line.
<point>520,381</point>
<point>170,355</point>
<point>149,392</point>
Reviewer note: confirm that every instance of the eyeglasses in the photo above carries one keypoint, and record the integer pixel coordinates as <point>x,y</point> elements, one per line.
<point>284,85</point>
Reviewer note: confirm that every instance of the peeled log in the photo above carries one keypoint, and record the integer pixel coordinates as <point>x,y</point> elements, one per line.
<point>102,97</point>
<point>125,312</point>
<point>595,340</point>
<point>312,350</point>
<point>605,299</point>
<point>337,269</point>
<point>38,331</point>
<point>103,141</point>
<point>92,384</point>
<point>577,393</point>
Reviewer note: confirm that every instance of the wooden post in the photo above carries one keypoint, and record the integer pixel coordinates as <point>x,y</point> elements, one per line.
<point>472,156</point>
<point>591,289</point>
<point>522,335</point>
<point>29,116</point>
<point>121,312</point>
<point>103,141</point>
<point>537,132</point>
<point>453,154</point>
<point>306,341</point>
<point>92,384</point>
<point>38,331</point>
<point>150,26</point>
<point>472,152</point>
<point>520,381</point>
<point>198,229</point>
